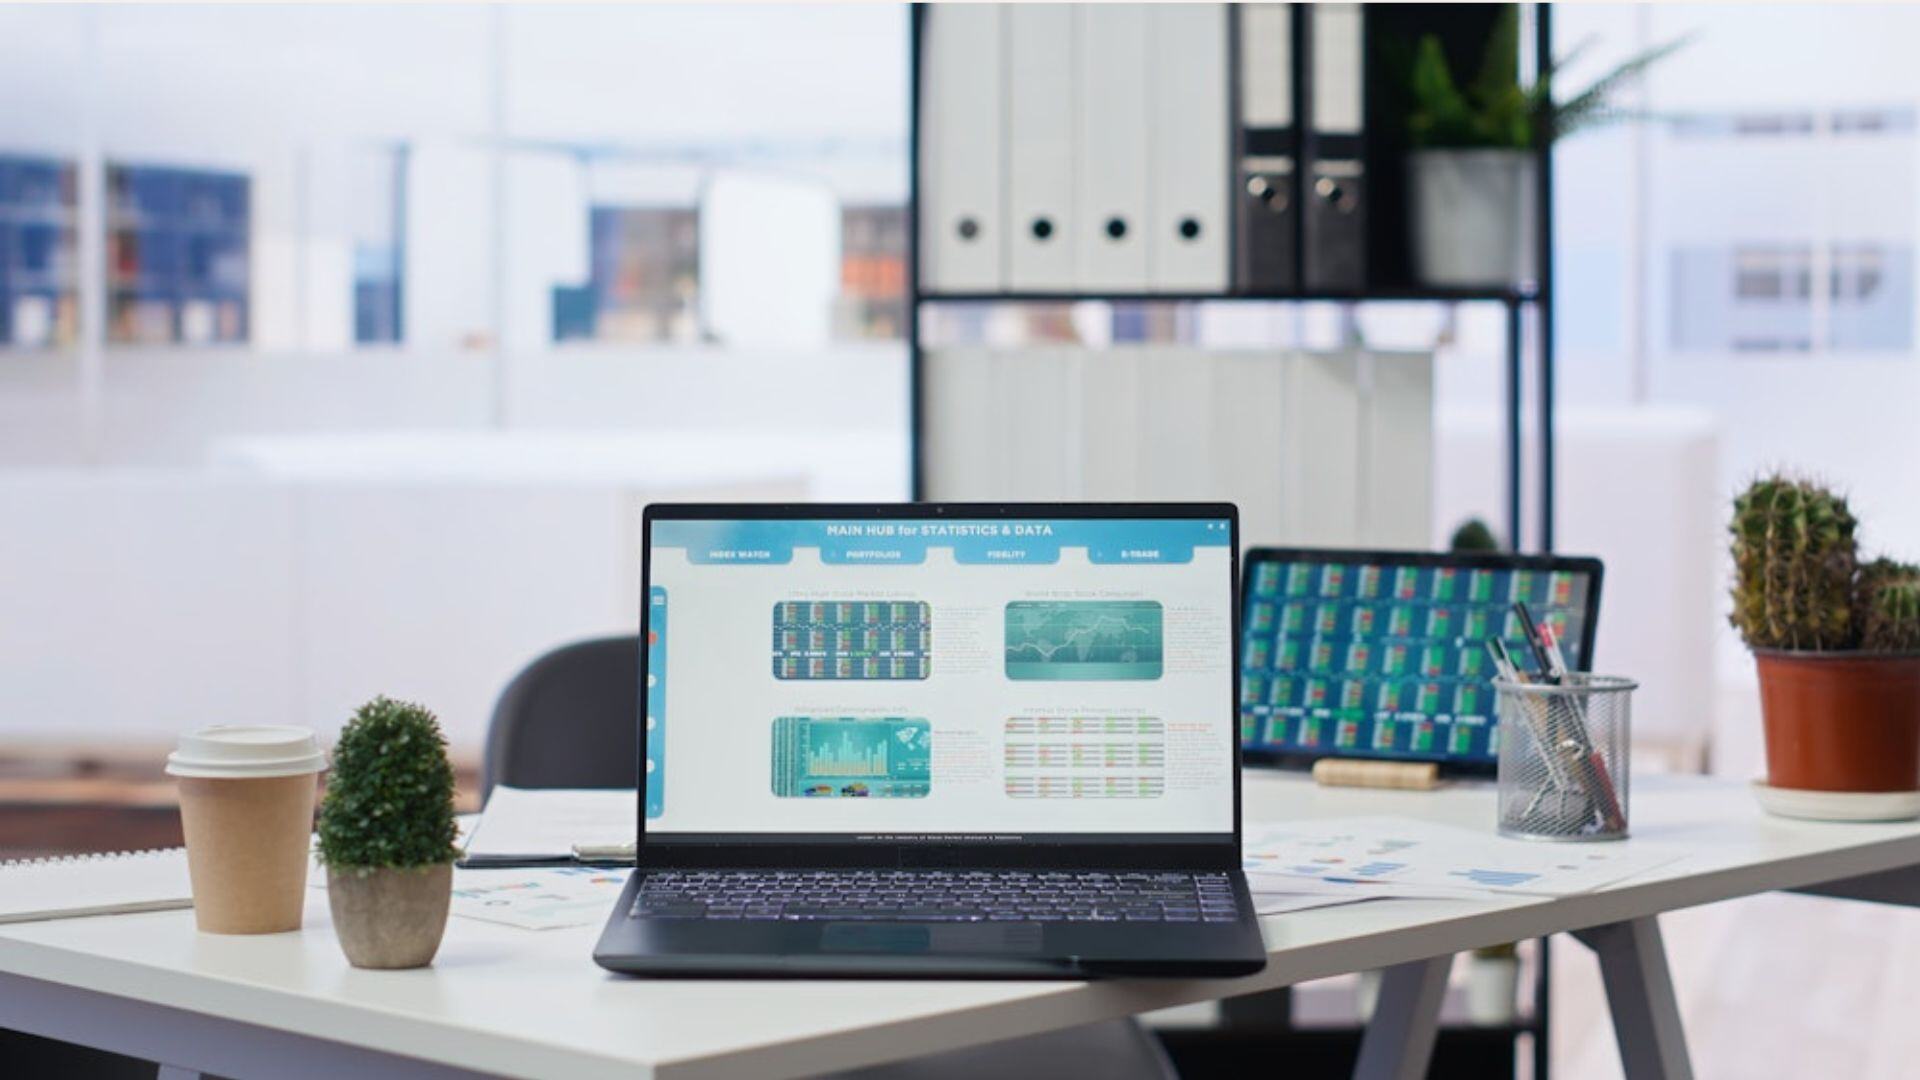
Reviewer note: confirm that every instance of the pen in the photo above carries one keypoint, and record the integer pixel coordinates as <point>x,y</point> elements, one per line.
<point>1500,665</point>
<point>1554,655</point>
<point>1532,633</point>
<point>1504,660</point>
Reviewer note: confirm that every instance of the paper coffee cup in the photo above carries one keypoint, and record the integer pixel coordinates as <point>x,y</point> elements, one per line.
<point>246,806</point>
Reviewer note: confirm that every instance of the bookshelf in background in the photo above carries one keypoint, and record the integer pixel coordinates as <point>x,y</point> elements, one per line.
<point>1262,1025</point>
<point>39,275</point>
<point>1463,32</point>
<point>178,255</point>
<point>377,312</point>
<point>379,239</point>
<point>643,283</point>
<point>873,273</point>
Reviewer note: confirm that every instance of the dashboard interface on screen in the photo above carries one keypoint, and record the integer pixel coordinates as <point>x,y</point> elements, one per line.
<point>1357,658</point>
<point>937,679</point>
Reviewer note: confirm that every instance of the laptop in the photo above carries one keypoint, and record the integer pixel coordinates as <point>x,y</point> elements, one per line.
<point>1382,655</point>
<point>939,741</point>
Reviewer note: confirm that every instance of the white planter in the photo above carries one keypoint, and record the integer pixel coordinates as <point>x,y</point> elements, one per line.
<point>1493,986</point>
<point>1473,214</point>
<point>1366,996</point>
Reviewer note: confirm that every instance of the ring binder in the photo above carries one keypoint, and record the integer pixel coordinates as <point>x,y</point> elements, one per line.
<point>1268,253</point>
<point>1334,214</point>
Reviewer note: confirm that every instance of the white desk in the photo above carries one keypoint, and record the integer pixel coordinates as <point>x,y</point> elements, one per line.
<point>520,1003</point>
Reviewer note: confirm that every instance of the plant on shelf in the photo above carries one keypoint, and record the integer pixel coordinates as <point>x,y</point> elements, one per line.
<point>1472,187</point>
<point>1837,646</point>
<point>1473,534</point>
<point>1493,984</point>
<point>387,835</point>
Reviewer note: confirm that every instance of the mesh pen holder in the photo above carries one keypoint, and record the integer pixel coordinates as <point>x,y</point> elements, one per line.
<point>1563,757</point>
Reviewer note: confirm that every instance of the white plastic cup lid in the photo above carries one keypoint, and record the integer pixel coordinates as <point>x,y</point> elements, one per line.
<point>246,752</point>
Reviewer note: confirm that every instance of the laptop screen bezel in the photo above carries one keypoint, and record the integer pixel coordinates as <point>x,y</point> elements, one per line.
<point>1259,757</point>
<point>1188,850</point>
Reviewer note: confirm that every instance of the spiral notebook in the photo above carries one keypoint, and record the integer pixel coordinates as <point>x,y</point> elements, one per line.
<point>70,886</point>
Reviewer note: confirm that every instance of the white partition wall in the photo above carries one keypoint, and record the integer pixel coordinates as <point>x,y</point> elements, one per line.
<point>139,603</point>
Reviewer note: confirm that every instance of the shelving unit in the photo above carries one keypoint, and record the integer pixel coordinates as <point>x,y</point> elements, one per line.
<point>1463,30</point>
<point>39,223</point>
<point>178,255</point>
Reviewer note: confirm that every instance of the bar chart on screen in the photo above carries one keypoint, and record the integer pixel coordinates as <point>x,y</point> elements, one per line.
<point>852,757</point>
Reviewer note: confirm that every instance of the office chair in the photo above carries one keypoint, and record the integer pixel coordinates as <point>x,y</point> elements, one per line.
<point>571,719</point>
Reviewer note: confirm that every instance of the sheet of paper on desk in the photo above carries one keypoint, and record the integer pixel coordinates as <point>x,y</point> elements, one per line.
<point>523,823</point>
<point>1412,854</point>
<point>1347,890</point>
<point>544,899</point>
<point>1280,903</point>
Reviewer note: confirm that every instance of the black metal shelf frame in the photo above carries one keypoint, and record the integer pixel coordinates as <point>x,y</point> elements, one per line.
<point>1517,303</point>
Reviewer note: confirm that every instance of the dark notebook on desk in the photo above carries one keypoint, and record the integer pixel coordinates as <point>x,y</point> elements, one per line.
<point>941,741</point>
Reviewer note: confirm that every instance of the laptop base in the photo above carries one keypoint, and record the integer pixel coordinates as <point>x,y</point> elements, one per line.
<point>694,948</point>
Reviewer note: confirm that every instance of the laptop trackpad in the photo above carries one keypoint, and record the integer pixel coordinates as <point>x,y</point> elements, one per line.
<point>912,938</point>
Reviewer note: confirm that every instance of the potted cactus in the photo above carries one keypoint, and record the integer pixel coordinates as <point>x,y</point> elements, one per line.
<point>1837,647</point>
<point>387,836</point>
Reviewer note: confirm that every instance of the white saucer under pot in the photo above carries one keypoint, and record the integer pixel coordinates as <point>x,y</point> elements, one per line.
<point>1837,805</point>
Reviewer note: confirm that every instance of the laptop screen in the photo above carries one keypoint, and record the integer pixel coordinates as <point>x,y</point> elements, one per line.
<point>939,677</point>
<point>1384,655</point>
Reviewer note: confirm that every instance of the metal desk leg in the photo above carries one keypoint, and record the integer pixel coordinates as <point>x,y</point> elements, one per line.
<point>1646,1015</point>
<point>1398,1044</point>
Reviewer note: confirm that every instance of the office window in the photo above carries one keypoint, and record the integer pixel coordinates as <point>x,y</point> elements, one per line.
<point>873,273</point>
<point>1872,297</point>
<point>644,282</point>
<point>1763,273</point>
<point>178,251</point>
<point>38,226</point>
<point>1788,232</point>
<point>1759,298</point>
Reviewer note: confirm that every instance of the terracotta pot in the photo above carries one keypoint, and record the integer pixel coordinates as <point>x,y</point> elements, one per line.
<point>1846,721</point>
<point>387,918</point>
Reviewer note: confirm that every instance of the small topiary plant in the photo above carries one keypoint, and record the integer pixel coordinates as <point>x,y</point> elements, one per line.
<point>1795,560</point>
<point>1887,604</point>
<point>389,801</point>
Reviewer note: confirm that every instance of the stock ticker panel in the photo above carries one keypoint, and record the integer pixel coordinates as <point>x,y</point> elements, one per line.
<point>870,639</point>
<point>1372,660</point>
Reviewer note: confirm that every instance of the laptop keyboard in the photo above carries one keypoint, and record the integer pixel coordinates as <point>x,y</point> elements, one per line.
<point>936,896</point>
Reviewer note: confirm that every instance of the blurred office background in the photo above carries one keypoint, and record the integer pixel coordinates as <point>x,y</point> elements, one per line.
<point>340,345</point>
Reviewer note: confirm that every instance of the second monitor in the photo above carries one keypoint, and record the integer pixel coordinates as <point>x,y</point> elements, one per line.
<point>1382,655</point>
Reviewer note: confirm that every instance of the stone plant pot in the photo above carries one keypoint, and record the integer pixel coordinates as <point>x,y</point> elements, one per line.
<point>387,918</point>
<point>1472,216</point>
